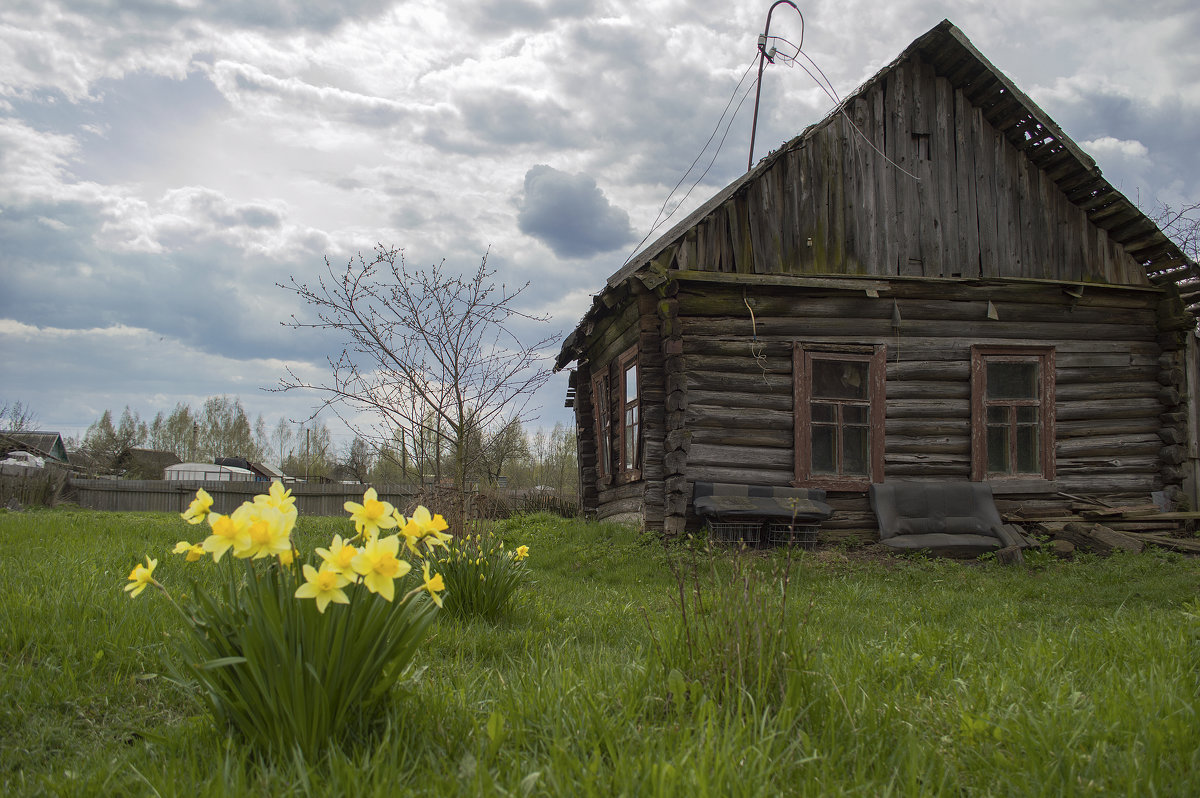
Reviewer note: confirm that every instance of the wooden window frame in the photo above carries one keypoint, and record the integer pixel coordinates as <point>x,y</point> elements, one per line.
<point>629,464</point>
<point>802,357</point>
<point>1044,357</point>
<point>602,420</point>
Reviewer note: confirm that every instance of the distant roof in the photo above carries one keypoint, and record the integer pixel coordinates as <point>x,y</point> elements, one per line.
<point>152,459</point>
<point>41,443</point>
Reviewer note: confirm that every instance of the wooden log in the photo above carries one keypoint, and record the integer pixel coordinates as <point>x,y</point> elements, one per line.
<point>1108,390</point>
<point>1010,555</point>
<point>1168,542</point>
<point>749,382</point>
<point>742,456</point>
<point>699,415</point>
<point>921,390</point>
<point>1105,426</point>
<point>675,463</point>
<point>929,408</point>
<point>741,476</point>
<point>678,439</point>
<point>734,401</point>
<point>770,438</point>
<point>1105,408</point>
<point>1109,446</point>
<point>1173,455</point>
<point>927,444</point>
<point>1172,435</point>
<point>1099,539</point>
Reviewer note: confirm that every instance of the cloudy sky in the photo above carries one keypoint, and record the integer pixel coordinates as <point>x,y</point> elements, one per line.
<point>164,163</point>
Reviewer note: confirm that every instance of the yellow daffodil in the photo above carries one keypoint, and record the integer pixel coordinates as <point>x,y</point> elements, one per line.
<point>424,523</point>
<point>521,553</point>
<point>267,531</point>
<point>339,555</point>
<point>379,567</point>
<point>199,509</point>
<point>412,535</point>
<point>140,576</point>
<point>280,499</point>
<point>194,551</point>
<point>438,539</point>
<point>433,584</point>
<point>287,557</point>
<point>372,515</point>
<point>324,585</point>
<point>226,534</point>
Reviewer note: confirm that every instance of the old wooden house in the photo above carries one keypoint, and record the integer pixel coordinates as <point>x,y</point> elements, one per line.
<point>933,282</point>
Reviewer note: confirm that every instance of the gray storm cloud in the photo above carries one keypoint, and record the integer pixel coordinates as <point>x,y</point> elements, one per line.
<point>570,214</point>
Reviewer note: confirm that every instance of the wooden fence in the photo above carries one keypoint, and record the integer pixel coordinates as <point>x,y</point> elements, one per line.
<point>173,496</point>
<point>47,487</point>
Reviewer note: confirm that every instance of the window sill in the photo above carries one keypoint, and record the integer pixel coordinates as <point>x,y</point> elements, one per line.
<point>1009,485</point>
<point>624,478</point>
<point>834,484</point>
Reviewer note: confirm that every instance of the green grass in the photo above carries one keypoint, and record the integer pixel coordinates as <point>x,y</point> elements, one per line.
<point>905,678</point>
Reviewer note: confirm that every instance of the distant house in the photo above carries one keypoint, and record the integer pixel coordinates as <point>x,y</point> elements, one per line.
<point>262,472</point>
<point>48,445</point>
<point>932,283</point>
<point>134,463</point>
<point>208,472</point>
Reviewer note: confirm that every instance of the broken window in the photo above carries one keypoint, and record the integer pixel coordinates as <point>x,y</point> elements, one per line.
<point>1012,412</point>
<point>630,422</point>
<point>602,412</point>
<point>839,416</point>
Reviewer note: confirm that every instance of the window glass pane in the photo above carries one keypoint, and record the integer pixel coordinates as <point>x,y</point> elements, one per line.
<point>997,450</point>
<point>840,379</point>
<point>1029,455</point>
<point>1027,415</point>
<point>1012,380</point>
<point>824,457</point>
<point>854,450</point>
<point>631,383</point>
<point>997,414</point>
<point>824,412</point>
<point>855,414</point>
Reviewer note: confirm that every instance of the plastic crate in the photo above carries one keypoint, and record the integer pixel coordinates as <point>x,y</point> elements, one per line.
<point>788,534</point>
<point>728,532</point>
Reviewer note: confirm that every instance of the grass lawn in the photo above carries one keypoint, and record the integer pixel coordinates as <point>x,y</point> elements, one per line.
<point>826,674</point>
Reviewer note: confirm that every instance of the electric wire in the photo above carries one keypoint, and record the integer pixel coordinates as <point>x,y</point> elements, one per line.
<point>831,93</point>
<point>823,82</point>
<point>656,224</point>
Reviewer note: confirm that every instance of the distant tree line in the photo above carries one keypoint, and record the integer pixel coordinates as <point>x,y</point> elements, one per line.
<point>509,455</point>
<point>218,428</point>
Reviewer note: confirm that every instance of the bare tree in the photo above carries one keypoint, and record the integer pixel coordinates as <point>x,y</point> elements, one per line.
<point>1181,223</point>
<point>359,460</point>
<point>16,417</point>
<point>425,351</point>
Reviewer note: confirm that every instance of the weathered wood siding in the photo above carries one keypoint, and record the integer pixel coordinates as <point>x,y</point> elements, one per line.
<point>1112,380</point>
<point>957,200</point>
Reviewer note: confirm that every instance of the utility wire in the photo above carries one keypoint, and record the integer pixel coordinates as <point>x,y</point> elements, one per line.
<point>823,82</point>
<point>699,155</point>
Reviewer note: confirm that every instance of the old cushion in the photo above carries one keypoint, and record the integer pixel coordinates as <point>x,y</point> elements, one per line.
<point>955,518</point>
<point>733,502</point>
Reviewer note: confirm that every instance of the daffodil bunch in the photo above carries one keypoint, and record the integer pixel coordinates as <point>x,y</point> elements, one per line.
<point>481,575</point>
<point>273,665</point>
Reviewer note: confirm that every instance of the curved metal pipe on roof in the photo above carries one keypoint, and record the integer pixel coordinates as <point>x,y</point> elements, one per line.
<point>762,58</point>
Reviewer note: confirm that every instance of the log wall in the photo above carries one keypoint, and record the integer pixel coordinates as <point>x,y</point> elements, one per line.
<point>1118,398</point>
